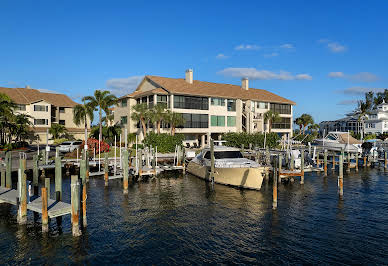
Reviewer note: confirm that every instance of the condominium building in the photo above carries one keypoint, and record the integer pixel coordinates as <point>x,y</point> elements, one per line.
<point>209,109</point>
<point>44,110</point>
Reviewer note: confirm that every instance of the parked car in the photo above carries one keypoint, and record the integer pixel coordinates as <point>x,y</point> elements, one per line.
<point>69,146</point>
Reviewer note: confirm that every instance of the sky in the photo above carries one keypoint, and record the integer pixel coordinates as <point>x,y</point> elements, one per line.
<point>324,55</point>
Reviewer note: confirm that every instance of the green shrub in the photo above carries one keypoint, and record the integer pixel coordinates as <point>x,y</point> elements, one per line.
<point>306,139</point>
<point>256,139</point>
<point>164,142</point>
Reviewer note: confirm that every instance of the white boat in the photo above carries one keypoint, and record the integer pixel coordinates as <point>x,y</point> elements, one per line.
<point>339,140</point>
<point>231,168</point>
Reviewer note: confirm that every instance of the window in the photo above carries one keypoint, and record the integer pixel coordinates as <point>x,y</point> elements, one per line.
<point>231,121</point>
<point>124,102</point>
<point>224,155</point>
<point>144,99</point>
<point>62,122</point>
<point>217,121</point>
<point>232,105</point>
<point>191,102</point>
<point>261,105</point>
<point>284,123</point>
<point>218,101</point>
<point>138,101</point>
<point>124,120</point>
<point>162,99</point>
<point>281,108</point>
<point>40,122</point>
<point>41,108</point>
<point>150,101</point>
<point>62,109</point>
<point>196,121</point>
<point>20,107</point>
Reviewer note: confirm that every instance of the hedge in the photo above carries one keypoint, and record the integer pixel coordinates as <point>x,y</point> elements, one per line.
<point>164,142</point>
<point>256,139</point>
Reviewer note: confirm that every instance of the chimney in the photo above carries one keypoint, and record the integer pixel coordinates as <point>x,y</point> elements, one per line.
<point>189,76</point>
<point>245,83</point>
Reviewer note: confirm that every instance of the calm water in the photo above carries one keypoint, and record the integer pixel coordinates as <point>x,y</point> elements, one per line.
<point>180,220</point>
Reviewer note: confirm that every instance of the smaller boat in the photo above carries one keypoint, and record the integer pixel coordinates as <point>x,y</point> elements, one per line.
<point>339,140</point>
<point>231,168</point>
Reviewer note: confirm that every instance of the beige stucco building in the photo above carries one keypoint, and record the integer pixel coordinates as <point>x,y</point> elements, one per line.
<point>44,110</point>
<point>209,109</point>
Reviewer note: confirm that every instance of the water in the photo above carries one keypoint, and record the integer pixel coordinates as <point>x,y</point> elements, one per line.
<point>180,220</point>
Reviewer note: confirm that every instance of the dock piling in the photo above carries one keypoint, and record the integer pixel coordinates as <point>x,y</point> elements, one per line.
<point>275,188</point>
<point>125,171</point>
<point>302,167</point>
<point>280,161</point>
<point>22,187</point>
<point>75,205</point>
<point>341,176</point>
<point>106,170</point>
<point>35,174</point>
<point>8,175</point>
<point>58,177</point>
<point>44,210</point>
<point>2,177</point>
<point>348,168</point>
<point>325,162</point>
<point>212,160</point>
<point>385,160</point>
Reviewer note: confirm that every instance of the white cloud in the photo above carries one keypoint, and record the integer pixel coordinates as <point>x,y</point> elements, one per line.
<point>123,86</point>
<point>287,46</point>
<point>360,90</point>
<point>358,77</point>
<point>222,56</point>
<point>271,54</point>
<point>333,46</point>
<point>254,74</point>
<point>247,47</point>
<point>348,102</point>
<point>336,75</point>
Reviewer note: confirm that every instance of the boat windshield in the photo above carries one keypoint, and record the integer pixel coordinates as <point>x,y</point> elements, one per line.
<point>224,155</point>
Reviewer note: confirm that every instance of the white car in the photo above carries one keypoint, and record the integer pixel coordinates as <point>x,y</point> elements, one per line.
<point>69,146</point>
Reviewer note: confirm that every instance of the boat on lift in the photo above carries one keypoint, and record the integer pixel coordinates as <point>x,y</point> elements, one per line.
<point>338,141</point>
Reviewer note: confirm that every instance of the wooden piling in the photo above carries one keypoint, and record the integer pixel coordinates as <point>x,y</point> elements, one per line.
<point>364,165</point>
<point>267,156</point>
<point>385,160</point>
<point>35,174</point>
<point>325,162</point>
<point>2,177</point>
<point>333,166</point>
<point>75,205</point>
<point>357,155</point>
<point>125,171</point>
<point>341,176</point>
<point>106,170</point>
<point>8,175</point>
<point>47,186</point>
<point>44,210</point>
<point>302,167</point>
<point>154,163</point>
<point>348,168</point>
<point>22,187</point>
<point>84,197</point>
<point>280,161</point>
<point>275,188</point>
<point>292,161</point>
<point>87,169</point>
<point>82,171</point>
<point>183,160</point>
<point>58,177</point>
<point>212,160</point>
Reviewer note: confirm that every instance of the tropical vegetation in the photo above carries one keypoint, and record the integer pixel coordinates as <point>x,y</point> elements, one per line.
<point>271,117</point>
<point>256,139</point>
<point>164,142</point>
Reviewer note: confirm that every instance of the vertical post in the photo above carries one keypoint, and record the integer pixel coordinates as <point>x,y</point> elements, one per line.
<point>275,188</point>
<point>267,156</point>
<point>58,177</point>
<point>125,171</point>
<point>357,162</point>
<point>280,161</point>
<point>333,167</point>
<point>47,186</point>
<point>154,163</point>
<point>212,161</point>
<point>8,175</point>
<point>364,165</point>
<point>106,170</point>
<point>292,161</point>
<point>84,197</point>
<point>325,162</point>
<point>44,210</point>
<point>82,171</point>
<point>348,168</point>
<point>87,165</point>
<point>75,205</point>
<point>302,167</point>
<point>22,186</point>
<point>318,162</point>
<point>242,147</point>
<point>385,160</point>
<point>35,174</point>
<point>341,175</point>
<point>184,160</point>
<point>2,177</point>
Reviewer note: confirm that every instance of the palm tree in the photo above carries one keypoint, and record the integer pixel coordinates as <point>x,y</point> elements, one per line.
<point>6,114</point>
<point>102,100</point>
<point>306,120</point>
<point>271,117</point>
<point>313,127</point>
<point>81,113</point>
<point>21,129</point>
<point>298,121</point>
<point>141,114</point>
<point>363,112</point>
<point>56,130</point>
<point>175,120</point>
<point>157,115</point>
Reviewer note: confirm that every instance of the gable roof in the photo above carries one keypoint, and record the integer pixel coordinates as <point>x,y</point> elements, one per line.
<point>27,96</point>
<point>204,88</point>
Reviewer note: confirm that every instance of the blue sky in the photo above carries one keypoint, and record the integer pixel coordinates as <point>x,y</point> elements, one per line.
<point>321,54</point>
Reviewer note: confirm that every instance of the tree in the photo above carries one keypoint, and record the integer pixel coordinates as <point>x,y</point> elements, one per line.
<point>271,117</point>
<point>313,128</point>
<point>56,130</point>
<point>6,114</point>
<point>175,120</point>
<point>306,120</point>
<point>298,121</point>
<point>363,112</point>
<point>141,114</point>
<point>157,115</point>
<point>102,100</point>
<point>81,113</point>
<point>21,128</point>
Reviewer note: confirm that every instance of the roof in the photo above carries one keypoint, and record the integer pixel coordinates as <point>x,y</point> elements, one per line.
<point>28,96</point>
<point>204,88</point>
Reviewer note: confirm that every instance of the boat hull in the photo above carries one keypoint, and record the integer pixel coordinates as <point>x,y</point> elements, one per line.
<point>250,178</point>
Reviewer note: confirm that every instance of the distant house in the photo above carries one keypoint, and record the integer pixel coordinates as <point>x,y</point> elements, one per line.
<point>45,109</point>
<point>349,123</point>
<point>377,122</point>
<point>209,109</point>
